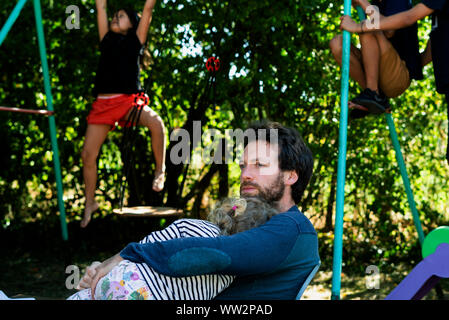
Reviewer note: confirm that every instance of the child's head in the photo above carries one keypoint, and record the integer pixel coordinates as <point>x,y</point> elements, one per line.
<point>233,215</point>
<point>123,21</point>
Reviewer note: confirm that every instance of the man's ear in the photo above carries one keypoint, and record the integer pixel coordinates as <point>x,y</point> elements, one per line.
<point>290,177</point>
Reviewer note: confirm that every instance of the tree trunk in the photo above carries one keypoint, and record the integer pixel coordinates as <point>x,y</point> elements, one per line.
<point>330,204</point>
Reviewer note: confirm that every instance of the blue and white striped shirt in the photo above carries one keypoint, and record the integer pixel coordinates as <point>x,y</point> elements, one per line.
<point>201,287</point>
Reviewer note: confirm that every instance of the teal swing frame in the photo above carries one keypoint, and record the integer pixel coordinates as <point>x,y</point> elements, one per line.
<point>48,97</point>
<point>341,170</point>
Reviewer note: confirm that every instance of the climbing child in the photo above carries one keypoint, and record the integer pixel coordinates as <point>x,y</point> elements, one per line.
<point>116,84</point>
<point>386,62</point>
<point>437,49</point>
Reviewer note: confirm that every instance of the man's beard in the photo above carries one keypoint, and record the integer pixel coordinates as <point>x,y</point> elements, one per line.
<point>271,194</point>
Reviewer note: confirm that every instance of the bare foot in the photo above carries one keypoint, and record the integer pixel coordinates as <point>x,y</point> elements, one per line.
<point>158,181</point>
<point>88,211</point>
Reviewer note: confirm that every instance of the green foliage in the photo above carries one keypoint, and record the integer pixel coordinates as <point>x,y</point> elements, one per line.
<point>275,63</point>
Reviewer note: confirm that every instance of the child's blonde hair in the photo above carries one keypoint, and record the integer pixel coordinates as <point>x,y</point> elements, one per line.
<point>233,215</point>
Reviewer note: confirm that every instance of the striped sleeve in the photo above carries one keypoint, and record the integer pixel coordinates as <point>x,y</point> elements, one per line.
<point>170,232</point>
<point>200,287</point>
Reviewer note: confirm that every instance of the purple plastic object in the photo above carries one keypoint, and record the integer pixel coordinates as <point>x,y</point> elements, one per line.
<point>424,276</point>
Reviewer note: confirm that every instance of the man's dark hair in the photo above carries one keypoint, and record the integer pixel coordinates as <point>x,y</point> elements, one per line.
<point>293,153</point>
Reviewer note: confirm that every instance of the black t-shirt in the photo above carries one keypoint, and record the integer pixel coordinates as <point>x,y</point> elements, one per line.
<point>119,67</point>
<point>405,41</point>
<point>439,38</point>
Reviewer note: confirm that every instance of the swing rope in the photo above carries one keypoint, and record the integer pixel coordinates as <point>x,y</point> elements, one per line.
<point>130,129</point>
<point>141,100</point>
<point>212,66</point>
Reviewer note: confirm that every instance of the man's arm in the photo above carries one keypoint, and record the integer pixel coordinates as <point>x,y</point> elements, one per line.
<point>102,18</point>
<point>393,22</point>
<point>98,270</point>
<point>144,24</point>
<point>251,252</point>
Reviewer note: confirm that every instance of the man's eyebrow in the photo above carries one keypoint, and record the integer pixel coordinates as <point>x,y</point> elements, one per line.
<point>257,159</point>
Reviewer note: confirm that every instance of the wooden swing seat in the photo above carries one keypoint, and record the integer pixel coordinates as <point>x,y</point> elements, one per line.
<point>148,211</point>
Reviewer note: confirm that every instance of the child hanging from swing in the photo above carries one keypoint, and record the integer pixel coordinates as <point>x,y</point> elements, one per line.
<point>387,61</point>
<point>122,42</point>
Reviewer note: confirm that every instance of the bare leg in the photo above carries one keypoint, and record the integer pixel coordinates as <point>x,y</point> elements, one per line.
<point>356,70</point>
<point>95,136</point>
<point>371,58</point>
<point>150,119</point>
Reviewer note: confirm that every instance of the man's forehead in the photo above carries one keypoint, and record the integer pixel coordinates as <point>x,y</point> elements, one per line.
<point>260,150</point>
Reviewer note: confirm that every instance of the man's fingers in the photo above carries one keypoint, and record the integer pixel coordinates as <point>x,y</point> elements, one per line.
<point>84,282</point>
<point>93,286</point>
<point>94,283</point>
<point>91,272</point>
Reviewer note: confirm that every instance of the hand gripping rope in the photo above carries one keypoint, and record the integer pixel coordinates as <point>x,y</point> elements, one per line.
<point>141,100</point>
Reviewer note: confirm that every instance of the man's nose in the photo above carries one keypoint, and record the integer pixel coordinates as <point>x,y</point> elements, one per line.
<point>247,174</point>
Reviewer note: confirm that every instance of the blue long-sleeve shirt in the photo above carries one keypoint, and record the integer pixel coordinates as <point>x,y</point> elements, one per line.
<point>270,262</point>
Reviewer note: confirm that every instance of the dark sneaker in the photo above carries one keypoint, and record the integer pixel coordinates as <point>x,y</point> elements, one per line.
<point>374,102</point>
<point>357,111</point>
<point>357,114</point>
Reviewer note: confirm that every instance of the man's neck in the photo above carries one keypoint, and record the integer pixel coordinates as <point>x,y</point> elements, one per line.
<point>285,204</point>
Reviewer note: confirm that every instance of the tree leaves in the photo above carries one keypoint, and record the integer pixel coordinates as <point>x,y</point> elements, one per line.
<point>275,63</point>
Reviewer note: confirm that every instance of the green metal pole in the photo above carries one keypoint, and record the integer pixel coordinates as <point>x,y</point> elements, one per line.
<point>11,19</point>
<point>406,181</point>
<point>51,119</point>
<point>341,169</point>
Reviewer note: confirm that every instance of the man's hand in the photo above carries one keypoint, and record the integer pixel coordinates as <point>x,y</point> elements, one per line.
<point>86,280</point>
<point>349,25</point>
<point>103,269</point>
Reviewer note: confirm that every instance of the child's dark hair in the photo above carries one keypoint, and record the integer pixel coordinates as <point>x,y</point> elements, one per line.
<point>133,17</point>
<point>233,215</point>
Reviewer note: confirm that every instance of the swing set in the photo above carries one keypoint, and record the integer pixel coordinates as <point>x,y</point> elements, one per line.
<point>212,66</point>
<point>435,246</point>
<point>48,98</point>
<point>438,240</point>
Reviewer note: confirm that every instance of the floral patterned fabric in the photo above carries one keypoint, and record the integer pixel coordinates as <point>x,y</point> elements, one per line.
<point>124,282</point>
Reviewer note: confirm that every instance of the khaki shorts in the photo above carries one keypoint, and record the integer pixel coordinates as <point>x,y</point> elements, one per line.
<point>394,77</point>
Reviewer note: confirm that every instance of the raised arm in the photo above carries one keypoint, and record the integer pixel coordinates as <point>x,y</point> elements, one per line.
<point>102,18</point>
<point>145,20</point>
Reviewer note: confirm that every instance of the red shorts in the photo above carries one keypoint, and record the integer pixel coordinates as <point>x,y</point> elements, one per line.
<point>110,110</point>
